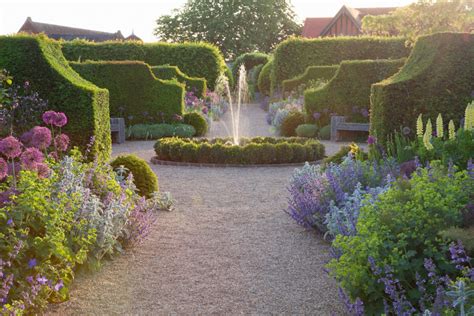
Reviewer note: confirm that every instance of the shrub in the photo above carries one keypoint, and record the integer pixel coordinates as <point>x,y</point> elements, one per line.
<point>325,132</point>
<point>339,156</point>
<point>199,60</point>
<point>197,121</point>
<point>135,93</point>
<point>400,230</point>
<point>307,130</point>
<point>197,85</point>
<point>290,123</point>
<point>348,92</point>
<point>264,79</point>
<point>230,77</point>
<point>250,60</point>
<point>312,73</point>
<point>156,131</point>
<point>293,56</point>
<point>144,178</point>
<point>39,61</point>
<point>438,60</point>
<point>254,74</point>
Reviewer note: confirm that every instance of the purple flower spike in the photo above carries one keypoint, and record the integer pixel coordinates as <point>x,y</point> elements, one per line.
<point>371,140</point>
<point>42,280</point>
<point>32,263</point>
<point>10,222</point>
<point>10,147</point>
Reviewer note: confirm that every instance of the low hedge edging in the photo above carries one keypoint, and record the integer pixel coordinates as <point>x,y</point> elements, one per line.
<point>259,150</point>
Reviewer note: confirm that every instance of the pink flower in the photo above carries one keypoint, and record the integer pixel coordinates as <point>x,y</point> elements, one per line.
<point>30,158</point>
<point>60,120</point>
<point>61,142</point>
<point>10,147</point>
<point>43,170</point>
<point>26,139</point>
<point>49,117</point>
<point>3,169</point>
<point>40,137</point>
<point>54,155</point>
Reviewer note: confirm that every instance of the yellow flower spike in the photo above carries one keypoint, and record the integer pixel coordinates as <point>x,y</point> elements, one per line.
<point>429,128</point>
<point>354,148</point>
<point>439,126</point>
<point>427,136</point>
<point>469,117</point>
<point>451,130</point>
<point>9,82</point>
<point>419,126</point>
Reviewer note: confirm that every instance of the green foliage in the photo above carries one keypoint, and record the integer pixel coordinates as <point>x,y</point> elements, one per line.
<point>252,151</point>
<point>325,132</point>
<point>135,93</point>
<point>421,18</point>
<point>197,121</point>
<point>250,60</point>
<point>197,85</point>
<point>230,77</point>
<point>465,235</point>
<point>144,178</point>
<point>39,61</point>
<point>437,78</point>
<point>400,229</point>
<point>156,131</point>
<point>291,122</point>
<point>307,130</point>
<point>293,56</point>
<point>311,73</point>
<point>253,75</point>
<point>237,27</point>
<point>349,88</point>
<point>339,156</point>
<point>264,78</point>
<point>198,60</point>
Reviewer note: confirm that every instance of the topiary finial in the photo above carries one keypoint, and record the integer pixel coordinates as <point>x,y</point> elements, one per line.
<point>451,130</point>
<point>419,126</point>
<point>439,126</point>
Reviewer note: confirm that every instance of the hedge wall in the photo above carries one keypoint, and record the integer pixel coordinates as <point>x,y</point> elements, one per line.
<point>437,78</point>
<point>39,60</point>
<point>171,72</point>
<point>311,73</point>
<point>135,93</point>
<point>264,78</point>
<point>349,88</point>
<point>199,60</point>
<point>294,55</point>
<point>250,60</point>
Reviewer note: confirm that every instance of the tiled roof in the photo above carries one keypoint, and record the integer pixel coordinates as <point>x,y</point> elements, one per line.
<point>133,38</point>
<point>313,26</point>
<point>373,11</point>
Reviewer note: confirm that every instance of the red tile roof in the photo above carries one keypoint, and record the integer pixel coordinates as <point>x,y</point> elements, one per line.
<point>313,26</point>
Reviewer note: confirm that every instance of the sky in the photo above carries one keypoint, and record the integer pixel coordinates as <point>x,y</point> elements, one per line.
<point>138,16</point>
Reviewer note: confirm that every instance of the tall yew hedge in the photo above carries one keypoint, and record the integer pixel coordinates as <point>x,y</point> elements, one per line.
<point>198,85</point>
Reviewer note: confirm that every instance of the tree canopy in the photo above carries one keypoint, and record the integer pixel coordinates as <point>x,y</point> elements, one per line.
<point>422,17</point>
<point>235,26</point>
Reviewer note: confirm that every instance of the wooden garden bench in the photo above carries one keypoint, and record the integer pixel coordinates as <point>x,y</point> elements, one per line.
<point>338,123</point>
<point>117,127</point>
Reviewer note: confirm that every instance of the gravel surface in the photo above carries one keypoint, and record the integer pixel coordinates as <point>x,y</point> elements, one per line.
<point>228,248</point>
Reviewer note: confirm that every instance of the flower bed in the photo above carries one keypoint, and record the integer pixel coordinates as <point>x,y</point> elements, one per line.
<point>260,150</point>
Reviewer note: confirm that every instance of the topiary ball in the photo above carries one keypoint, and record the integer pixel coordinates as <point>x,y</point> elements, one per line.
<point>290,123</point>
<point>307,130</point>
<point>144,178</point>
<point>197,121</point>
<point>325,132</point>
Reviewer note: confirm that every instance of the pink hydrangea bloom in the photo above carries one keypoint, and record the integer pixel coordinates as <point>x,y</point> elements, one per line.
<point>31,157</point>
<point>10,147</point>
<point>61,142</point>
<point>60,120</point>
<point>3,169</point>
<point>40,137</point>
<point>49,117</point>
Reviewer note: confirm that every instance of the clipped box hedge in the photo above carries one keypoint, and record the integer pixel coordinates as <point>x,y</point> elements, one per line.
<point>39,61</point>
<point>311,73</point>
<point>199,60</point>
<point>198,85</point>
<point>259,150</point>
<point>135,93</point>
<point>349,88</point>
<point>437,78</point>
<point>250,60</point>
<point>294,55</point>
<point>264,78</point>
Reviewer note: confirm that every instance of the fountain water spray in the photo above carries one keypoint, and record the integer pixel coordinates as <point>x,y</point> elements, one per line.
<point>223,88</point>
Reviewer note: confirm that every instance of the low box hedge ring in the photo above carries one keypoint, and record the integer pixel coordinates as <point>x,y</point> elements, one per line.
<point>259,150</point>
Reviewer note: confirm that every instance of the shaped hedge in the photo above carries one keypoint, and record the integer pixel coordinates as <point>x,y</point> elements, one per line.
<point>437,78</point>
<point>264,78</point>
<point>349,88</point>
<point>135,93</point>
<point>199,60</point>
<point>311,73</point>
<point>39,61</point>
<point>197,85</point>
<point>294,55</point>
<point>250,60</point>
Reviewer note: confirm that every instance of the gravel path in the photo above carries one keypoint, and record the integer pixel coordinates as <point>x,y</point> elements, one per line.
<point>227,249</point>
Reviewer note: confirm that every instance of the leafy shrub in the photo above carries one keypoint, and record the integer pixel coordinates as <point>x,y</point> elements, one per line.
<point>290,123</point>
<point>349,89</point>
<point>325,132</point>
<point>312,73</point>
<point>264,78</point>
<point>156,131</point>
<point>293,56</point>
<point>199,60</point>
<point>438,60</point>
<point>39,61</point>
<point>399,230</point>
<point>197,121</point>
<point>254,74</point>
<point>144,178</point>
<point>197,85</point>
<point>307,130</point>
<point>250,60</point>
<point>339,156</point>
<point>135,93</point>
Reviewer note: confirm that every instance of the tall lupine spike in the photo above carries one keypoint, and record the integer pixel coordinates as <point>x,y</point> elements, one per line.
<point>419,126</point>
<point>427,136</point>
<point>439,126</point>
<point>451,130</point>
<point>469,117</point>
